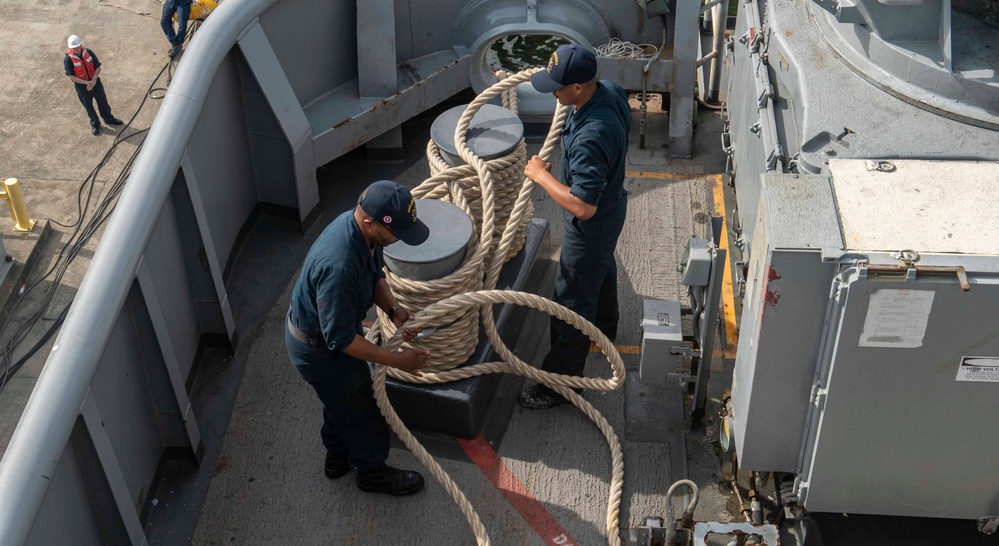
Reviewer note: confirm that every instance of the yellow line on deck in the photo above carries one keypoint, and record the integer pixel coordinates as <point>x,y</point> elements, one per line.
<point>669,176</point>
<point>623,349</point>
<point>728,294</point>
<point>635,349</point>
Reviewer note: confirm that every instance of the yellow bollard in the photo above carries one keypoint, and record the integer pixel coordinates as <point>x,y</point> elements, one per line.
<point>15,202</point>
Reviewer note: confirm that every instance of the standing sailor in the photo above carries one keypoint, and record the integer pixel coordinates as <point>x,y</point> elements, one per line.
<point>591,194</point>
<point>340,280</point>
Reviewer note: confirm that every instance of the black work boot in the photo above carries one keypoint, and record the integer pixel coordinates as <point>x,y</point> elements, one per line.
<point>390,480</point>
<point>541,397</point>
<point>336,466</point>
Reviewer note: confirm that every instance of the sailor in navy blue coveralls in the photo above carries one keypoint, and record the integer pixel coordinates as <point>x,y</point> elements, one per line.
<point>595,144</point>
<point>341,279</point>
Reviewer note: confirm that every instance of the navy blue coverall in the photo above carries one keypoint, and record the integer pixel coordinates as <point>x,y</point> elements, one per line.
<point>595,144</point>
<point>330,299</point>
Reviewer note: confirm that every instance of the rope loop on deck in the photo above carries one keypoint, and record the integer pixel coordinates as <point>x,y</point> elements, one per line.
<point>447,303</point>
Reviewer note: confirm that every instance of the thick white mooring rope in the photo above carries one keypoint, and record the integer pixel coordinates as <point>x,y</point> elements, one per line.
<point>449,347</point>
<point>464,297</point>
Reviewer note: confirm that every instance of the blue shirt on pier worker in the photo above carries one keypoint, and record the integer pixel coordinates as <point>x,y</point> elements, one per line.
<point>340,280</point>
<point>594,203</point>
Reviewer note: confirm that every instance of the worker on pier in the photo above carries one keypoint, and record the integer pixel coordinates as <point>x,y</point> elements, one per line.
<point>182,9</point>
<point>83,67</point>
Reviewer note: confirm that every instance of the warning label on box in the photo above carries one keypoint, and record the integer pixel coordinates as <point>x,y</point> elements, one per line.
<point>897,318</point>
<point>982,369</point>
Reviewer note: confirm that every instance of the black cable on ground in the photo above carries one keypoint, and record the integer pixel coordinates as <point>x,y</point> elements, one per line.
<point>86,232</point>
<point>80,236</point>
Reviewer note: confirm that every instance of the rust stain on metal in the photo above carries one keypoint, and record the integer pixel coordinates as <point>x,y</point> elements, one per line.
<point>771,296</point>
<point>767,532</point>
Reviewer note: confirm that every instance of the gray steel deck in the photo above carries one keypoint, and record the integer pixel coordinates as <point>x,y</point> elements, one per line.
<point>267,485</point>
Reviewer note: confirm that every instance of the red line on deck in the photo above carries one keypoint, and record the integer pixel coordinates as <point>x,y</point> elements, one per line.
<point>514,491</point>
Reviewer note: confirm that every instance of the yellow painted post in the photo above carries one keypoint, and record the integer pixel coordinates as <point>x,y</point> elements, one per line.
<point>15,201</point>
<point>3,194</point>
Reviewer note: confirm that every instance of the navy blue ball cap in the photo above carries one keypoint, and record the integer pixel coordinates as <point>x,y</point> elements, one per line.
<point>569,64</point>
<point>393,206</point>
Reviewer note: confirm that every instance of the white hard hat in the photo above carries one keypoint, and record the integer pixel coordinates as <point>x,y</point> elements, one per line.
<point>74,41</point>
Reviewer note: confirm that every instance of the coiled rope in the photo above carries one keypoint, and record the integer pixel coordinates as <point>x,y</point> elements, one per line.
<point>463,185</point>
<point>626,50</point>
<point>508,175</point>
<point>480,302</point>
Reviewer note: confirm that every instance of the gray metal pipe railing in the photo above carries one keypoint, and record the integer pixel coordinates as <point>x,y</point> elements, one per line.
<point>719,17</point>
<point>45,426</point>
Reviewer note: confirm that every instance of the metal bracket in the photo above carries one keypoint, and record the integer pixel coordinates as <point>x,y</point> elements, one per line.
<point>881,166</point>
<point>755,39</point>
<point>532,11</point>
<point>726,141</point>
<point>775,156</point>
<point>680,378</point>
<point>907,257</point>
<point>848,12</point>
<point>800,489</point>
<point>740,276</point>
<point>654,8</point>
<point>767,94</point>
<point>818,397</point>
<point>684,351</point>
<point>651,532</point>
<point>911,270</point>
<point>768,532</point>
<point>832,254</point>
<point>988,525</point>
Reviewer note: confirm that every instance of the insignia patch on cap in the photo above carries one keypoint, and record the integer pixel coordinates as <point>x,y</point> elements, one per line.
<point>387,220</point>
<point>553,62</point>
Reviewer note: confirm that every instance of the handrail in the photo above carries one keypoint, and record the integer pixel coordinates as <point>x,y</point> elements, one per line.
<point>45,426</point>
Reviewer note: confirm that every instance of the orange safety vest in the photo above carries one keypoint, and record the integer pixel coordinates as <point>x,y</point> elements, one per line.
<point>82,68</point>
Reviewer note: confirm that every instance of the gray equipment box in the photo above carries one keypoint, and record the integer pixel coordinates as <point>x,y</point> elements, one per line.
<point>868,353</point>
<point>695,264</point>
<point>660,333</point>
